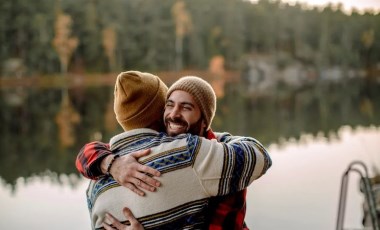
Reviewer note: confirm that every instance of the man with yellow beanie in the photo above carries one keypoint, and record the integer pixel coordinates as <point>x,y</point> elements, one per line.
<point>193,168</point>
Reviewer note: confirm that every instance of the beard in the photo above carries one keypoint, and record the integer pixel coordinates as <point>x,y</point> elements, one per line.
<point>196,128</point>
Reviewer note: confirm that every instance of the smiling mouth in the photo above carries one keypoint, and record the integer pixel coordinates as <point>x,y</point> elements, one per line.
<point>176,126</point>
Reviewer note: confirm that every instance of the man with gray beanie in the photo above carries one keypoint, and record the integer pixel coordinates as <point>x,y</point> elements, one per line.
<point>224,212</point>
<point>176,158</point>
<point>203,95</point>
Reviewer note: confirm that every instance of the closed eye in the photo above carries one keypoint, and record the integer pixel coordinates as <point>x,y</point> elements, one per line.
<point>169,104</point>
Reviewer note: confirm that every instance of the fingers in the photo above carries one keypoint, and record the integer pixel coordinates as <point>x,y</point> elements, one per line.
<point>134,189</point>
<point>135,184</point>
<point>110,220</point>
<point>106,226</point>
<point>140,153</point>
<point>148,170</point>
<point>147,181</point>
<point>128,172</point>
<point>143,168</point>
<point>147,187</point>
<point>134,223</point>
<point>128,214</point>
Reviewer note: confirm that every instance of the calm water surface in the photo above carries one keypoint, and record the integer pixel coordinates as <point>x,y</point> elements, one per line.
<point>312,133</point>
<point>300,191</point>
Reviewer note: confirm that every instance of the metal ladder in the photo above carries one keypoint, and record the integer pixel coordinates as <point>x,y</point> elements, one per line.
<point>368,192</point>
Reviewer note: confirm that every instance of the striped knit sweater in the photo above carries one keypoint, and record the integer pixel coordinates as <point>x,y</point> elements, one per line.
<point>192,170</point>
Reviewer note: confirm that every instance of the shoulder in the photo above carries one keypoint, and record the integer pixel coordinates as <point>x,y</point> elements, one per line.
<point>128,137</point>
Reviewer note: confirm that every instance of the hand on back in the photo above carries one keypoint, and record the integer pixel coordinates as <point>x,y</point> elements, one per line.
<point>110,220</point>
<point>128,172</point>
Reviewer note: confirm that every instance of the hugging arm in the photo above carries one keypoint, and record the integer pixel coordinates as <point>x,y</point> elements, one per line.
<point>232,164</point>
<point>254,146</point>
<point>90,157</point>
<point>94,158</point>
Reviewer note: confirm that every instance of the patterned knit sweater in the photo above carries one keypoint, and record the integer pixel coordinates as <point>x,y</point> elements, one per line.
<point>192,170</point>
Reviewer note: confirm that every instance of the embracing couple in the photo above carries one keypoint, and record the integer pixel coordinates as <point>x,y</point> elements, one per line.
<point>168,169</point>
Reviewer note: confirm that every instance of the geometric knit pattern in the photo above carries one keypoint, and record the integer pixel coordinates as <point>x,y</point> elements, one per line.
<point>193,169</point>
<point>163,162</point>
<point>187,216</point>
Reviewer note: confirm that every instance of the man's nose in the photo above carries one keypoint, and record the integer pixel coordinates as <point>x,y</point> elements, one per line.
<point>175,112</point>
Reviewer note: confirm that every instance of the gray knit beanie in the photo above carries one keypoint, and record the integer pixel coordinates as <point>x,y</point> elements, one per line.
<point>202,92</point>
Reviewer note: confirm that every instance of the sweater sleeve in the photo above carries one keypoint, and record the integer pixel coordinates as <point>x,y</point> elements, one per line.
<point>226,137</point>
<point>89,159</point>
<point>230,166</point>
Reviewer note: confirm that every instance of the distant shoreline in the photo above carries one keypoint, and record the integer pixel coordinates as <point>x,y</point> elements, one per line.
<point>99,79</point>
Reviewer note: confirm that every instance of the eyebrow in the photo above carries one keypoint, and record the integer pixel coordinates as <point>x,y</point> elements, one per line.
<point>182,103</point>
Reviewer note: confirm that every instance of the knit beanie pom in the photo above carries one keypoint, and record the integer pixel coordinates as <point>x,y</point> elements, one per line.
<point>202,93</point>
<point>139,99</point>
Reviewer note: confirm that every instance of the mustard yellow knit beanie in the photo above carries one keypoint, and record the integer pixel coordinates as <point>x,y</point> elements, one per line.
<point>139,99</point>
<point>202,93</point>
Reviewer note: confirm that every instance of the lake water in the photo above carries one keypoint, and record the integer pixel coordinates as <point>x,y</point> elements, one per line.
<point>312,135</point>
<point>301,190</point>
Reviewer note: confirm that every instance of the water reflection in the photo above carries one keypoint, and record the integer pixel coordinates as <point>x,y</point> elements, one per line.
<point>43,129</point>
<point>46,130</point>
<point>302,190</point>
<point>287,113</point>
<point>45,202</point>
<point>299,192</point>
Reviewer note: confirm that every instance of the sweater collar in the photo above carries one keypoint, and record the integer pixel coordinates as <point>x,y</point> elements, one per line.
<point>133,132</point>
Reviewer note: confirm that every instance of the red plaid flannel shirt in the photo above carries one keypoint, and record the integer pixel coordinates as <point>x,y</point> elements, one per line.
<point>226,212</point>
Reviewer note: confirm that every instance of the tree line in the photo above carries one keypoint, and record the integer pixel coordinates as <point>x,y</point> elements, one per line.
<point>48,37</point>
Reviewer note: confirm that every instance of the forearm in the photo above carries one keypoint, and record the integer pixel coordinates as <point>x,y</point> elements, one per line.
<point>95,159</point>
<point>258,148</point>
<point>252,160</point>
<point>92,159</point>
<point>233,165</point>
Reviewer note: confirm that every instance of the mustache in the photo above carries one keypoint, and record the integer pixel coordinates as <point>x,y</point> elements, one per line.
<point>176,120</point>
